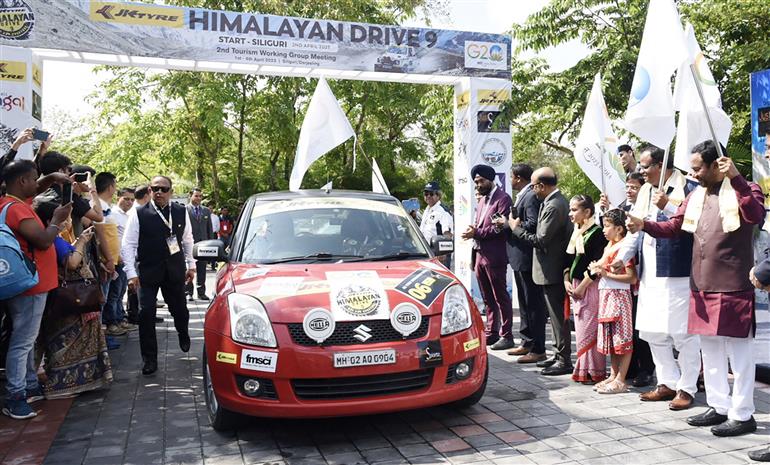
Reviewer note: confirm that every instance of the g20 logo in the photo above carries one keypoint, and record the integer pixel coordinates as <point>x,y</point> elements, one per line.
<point>485,52</point>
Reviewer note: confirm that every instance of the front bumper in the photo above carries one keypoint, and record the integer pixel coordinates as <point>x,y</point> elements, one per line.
<point>301,369</point>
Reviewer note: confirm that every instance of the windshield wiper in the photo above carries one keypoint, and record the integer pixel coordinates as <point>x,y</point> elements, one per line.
<point>315,256</point>
<point>397,256</point>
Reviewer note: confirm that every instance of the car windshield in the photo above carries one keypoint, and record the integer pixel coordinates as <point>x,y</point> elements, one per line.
<point>311,230</point>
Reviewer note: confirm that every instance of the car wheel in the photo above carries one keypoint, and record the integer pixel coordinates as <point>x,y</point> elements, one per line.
<point>474,398</point>
<point>220,418</point>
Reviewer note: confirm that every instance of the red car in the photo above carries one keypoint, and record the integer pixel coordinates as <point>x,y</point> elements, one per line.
<point>333,304</point>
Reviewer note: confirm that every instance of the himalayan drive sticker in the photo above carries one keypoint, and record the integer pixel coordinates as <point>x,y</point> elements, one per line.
<point>357,295</point>
<point>424,286</point>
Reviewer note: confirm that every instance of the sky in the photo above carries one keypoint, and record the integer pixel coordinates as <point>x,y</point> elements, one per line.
<point>66,85</point>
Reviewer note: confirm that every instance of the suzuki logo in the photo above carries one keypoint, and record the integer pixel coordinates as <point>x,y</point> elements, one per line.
<point>363,333</point>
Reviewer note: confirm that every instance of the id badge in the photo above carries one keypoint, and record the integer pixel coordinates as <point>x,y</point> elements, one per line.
<point>173,245</point>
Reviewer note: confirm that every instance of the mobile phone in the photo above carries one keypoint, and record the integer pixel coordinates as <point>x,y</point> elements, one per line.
<point>80,177</point>
<point>66,193</point>
<point>40,135</point>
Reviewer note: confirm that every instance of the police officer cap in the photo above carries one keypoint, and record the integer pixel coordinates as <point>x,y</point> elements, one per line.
<point>431,187</point>
<point>485,171</point>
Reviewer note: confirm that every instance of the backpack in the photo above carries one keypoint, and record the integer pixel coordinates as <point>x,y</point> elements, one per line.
<point>17,272</point>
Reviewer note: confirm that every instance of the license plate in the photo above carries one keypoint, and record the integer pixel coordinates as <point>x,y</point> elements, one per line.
<point>359,359</point>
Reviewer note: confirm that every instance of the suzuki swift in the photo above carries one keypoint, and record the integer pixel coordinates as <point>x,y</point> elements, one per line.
<point>332,304</point>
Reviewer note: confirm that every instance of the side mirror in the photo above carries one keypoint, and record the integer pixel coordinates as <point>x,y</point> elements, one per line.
<point>210,251</point>
<point>442,245</point>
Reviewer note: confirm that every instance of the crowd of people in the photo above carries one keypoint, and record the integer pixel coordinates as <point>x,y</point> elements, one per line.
<point>663,283</point>
<point>84,240</point>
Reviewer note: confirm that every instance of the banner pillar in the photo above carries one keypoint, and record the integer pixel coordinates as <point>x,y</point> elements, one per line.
<point>477,140</point>
<point>21,105</point>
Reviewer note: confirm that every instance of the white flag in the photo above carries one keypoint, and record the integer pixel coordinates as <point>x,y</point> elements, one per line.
<point>596,148</point>
<point>650,114</point>
<point>693,127</point>
<point>378,182</point>
<point>327,187</point>
<point>324,127</point>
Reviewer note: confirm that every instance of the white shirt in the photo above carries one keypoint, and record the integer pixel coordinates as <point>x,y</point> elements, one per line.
<point>433,215</point>
<point>214,222</point>
<point>107,212</point>
<point>130,244</point>
<point>120,218</point>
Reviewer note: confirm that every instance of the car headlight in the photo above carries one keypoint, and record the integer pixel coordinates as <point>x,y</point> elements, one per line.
<point>249,322</point>
<point>456,315</point>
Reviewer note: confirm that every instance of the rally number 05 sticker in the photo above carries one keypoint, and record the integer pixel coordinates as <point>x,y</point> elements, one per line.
<point>424,286</point>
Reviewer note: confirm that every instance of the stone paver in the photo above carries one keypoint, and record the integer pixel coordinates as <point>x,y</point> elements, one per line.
<point>524,418</point>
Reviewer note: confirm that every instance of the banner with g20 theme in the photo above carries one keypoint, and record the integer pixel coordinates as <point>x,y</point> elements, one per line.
<point>760,130</point>
<point>21,103</point>
<point>182,33</point>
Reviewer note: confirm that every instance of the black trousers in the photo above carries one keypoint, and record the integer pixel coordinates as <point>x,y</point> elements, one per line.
<point>200,279</point>
<point>133,307</point>
<point>173,295</point>
<point>532,312</point>
<point>554,301</point>
<point>641,357</point>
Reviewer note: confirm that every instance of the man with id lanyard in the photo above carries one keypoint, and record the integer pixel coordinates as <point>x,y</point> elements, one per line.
<point>157,252</point>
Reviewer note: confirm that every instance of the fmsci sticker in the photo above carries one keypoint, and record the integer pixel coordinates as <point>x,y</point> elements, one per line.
<point>259,360</point>
<point>424,286</point>
<point>472,344</point>
<point>318,324</point>
<point>356,295</point>
<point>405,318</point>
<point>227,357</point>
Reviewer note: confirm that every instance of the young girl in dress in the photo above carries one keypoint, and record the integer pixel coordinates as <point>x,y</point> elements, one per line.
<point>616,324</point>
<point>585,246</point>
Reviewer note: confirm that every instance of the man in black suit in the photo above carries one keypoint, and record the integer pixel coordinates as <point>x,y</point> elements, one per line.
<point>157,253</point>
<point>550,240</point>
<point>200,221</point>
<point>531,304</point>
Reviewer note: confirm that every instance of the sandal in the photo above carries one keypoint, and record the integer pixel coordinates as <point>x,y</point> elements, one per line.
<point>602,383</point>
<point>615,387</point>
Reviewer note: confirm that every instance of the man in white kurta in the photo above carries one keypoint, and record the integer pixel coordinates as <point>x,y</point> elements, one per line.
<point>664,287</point>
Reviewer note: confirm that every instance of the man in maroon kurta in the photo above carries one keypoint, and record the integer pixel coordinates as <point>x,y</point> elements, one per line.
<point>721,296</point>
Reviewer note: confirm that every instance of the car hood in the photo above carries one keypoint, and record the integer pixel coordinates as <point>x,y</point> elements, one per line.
<point>351,291</point>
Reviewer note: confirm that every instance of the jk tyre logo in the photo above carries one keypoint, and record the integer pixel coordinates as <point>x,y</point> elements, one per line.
<point>136,15</point>
<point>16,20</point>
<point>14,71</point>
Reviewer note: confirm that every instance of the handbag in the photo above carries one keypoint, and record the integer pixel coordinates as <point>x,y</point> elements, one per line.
<point>79,291</point>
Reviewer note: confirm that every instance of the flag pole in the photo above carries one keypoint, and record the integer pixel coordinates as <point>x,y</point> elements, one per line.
<point>706,110</point>
<point>663,168</point>
<point>371,165</point>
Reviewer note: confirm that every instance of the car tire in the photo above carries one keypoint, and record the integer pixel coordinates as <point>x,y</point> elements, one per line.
<point>220,418</point>
<point>474,398</point>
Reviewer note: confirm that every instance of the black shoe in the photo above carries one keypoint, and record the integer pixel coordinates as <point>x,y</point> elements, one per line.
<point>642,380</point>
<point>190,298</point>
<point>708,418</point>
<point>557,369</point>
<point>734,428</point>
<point>203,297</point>
<point>546,363</point>
<point>150,367</point>
<point>159,305</point>
<point>760,455</point>
<point>503,343</point>
<point>492,339</point>
<point>184,342</point>
<point>159,319</point>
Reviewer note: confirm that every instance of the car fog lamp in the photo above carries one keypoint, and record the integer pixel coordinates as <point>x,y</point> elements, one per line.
<point>251,386</point>
<point>462,370</point>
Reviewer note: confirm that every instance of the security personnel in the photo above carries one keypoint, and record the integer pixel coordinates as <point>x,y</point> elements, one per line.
<point>157,252</point>
<point>436,221</point>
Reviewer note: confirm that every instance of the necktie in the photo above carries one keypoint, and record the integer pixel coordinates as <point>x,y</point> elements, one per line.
<point>198,213</point>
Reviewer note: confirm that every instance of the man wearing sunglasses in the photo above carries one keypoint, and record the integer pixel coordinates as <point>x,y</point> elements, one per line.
<point>157,252</point>
<point>436,221</point>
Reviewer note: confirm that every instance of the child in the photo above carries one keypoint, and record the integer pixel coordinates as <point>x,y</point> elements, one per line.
<point>616,324</point>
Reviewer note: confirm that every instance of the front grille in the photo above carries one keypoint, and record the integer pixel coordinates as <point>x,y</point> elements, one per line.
<point>343,335</point>
<point>451,378</point>
<point>362,386</point>
<point>266,389</point>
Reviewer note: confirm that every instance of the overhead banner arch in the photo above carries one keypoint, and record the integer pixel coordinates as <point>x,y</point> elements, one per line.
<point>476,64</point>
<point>140,34</point>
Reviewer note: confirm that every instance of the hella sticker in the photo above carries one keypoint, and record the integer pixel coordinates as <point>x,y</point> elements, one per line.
<point>318,324</point>
<point>405,319</point>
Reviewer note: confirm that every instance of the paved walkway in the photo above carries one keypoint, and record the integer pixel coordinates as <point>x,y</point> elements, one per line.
<point>524,418</point>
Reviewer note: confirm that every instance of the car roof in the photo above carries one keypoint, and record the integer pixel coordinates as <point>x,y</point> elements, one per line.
<point>319,193</point>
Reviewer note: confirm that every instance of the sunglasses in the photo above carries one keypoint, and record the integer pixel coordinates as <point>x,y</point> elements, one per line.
<point>428,194</point>
<point>163,189</point>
